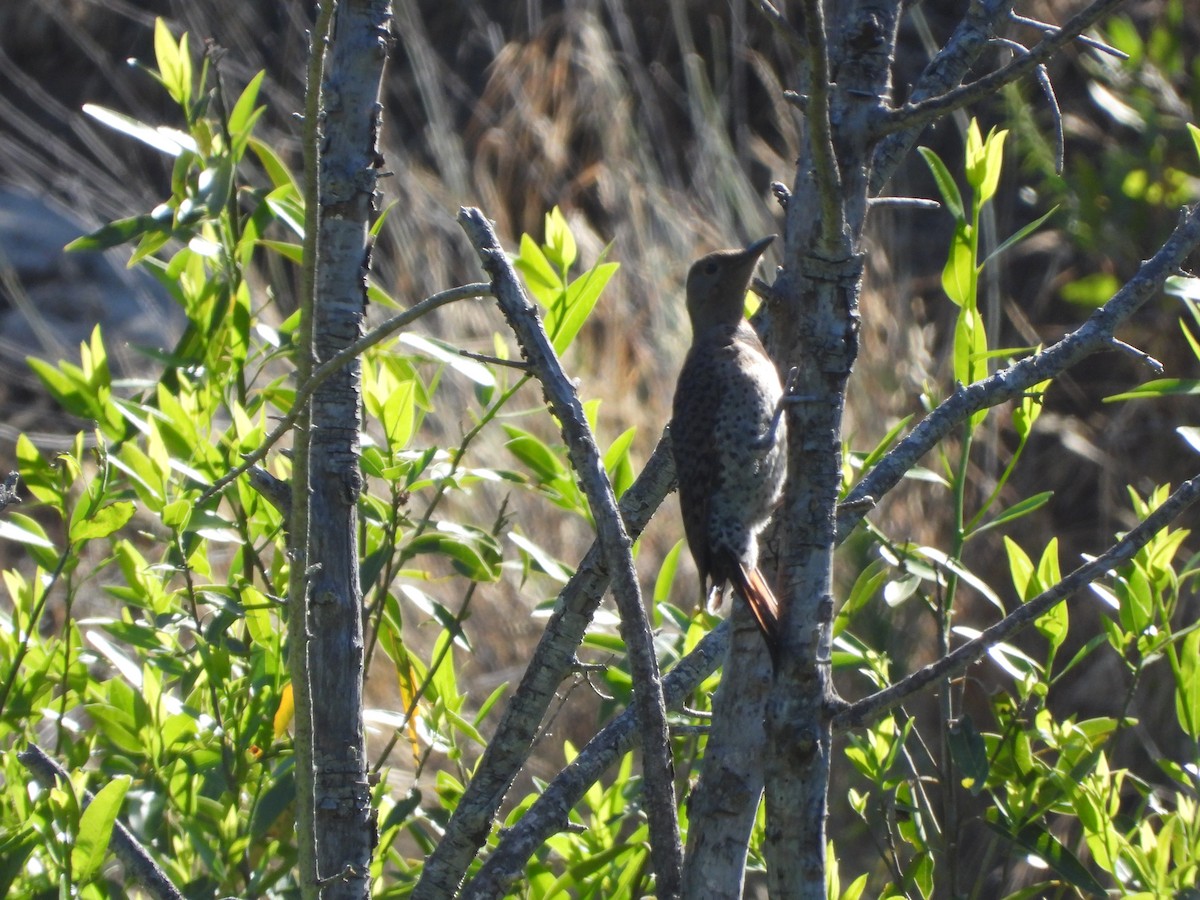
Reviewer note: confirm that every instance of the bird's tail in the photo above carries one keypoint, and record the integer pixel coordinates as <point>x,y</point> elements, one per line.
<point>749,584</point>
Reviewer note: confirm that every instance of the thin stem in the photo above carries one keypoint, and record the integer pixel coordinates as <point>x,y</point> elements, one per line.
<point>298,528</point>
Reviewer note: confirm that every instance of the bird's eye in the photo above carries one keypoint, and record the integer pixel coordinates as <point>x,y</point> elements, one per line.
<point>711,268</point>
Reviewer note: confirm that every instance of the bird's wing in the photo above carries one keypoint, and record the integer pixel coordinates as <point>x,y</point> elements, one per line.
<point>693,426</point>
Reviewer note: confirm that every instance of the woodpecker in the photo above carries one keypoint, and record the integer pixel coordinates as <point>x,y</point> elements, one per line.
<point>728,435</point>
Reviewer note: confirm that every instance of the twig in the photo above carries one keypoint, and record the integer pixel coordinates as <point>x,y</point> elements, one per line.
<point>1140,355</point>
<point>495,360</point>
<point>957,661</point>
<point>332,365</point>
<point>1046,27</point>
<point>908,202</point>
<point>658,771</point>
<point>1043,79</point>
<point>139,864</point>
<point>827,175</point>
<point>783,28</point>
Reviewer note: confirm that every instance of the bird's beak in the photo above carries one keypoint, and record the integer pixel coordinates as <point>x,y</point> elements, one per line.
<point>755,250</point>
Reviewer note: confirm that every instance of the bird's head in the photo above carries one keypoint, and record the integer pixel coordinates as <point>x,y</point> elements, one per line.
<point>717,285</point>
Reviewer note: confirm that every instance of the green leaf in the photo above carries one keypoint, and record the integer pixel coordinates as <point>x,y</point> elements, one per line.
<point>1055,622</point>
<point>534,453</point>
<point>616,461</point>
<point>1017,510</point>
<point>1019,236</point>
<point>243,115</point>
<point>448,354</point>
<point>1020,569</point>
<point>577,304</point>
<point>970,352</point>
<point>398,415</point>
<point>959,275</point>
<point>1046,847</point>
<point>945,183</point>
<point>1187,685</point>
<point>969,753</point>
<point>286,249</point>
<point>24,530</point>
<point>545,561</point>
<point>994,162</point>
<point>170,141</point>
<point>666,573</point>
<point>95,829</point>
<point>560,243</point>
<point>1026,413</point>
<point>473,553</point>
<point>116,233</point>
<point>102,522</point>
<point>985,159</point>
<point>174,63</point>
<point>280,175</point>
<point>866,586</point>
<point>540,277</point>
<point>885,444</point>
<point>1159,387</point>
<point>1195,133</point>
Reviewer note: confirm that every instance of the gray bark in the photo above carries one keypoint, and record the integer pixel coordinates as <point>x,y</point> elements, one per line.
<point>344,819</point>
<point>724,803</point>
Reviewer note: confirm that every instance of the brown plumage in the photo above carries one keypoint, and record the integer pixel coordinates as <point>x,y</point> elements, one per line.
<point>729,443</point>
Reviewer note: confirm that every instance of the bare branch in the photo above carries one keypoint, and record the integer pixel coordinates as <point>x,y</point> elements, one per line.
<point>957,661</point>
<point>1083,38</point>
<point>944,72</point>
<point>828,176</point>
<point>1140,355</point>
<point>910,202</point>
<point>1043,79</point>
<point>444,870</point>
<point>1094,335</point>
<point>915,115</point>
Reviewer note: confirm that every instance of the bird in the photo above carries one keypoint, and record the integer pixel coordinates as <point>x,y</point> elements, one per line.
<point>728,436</point>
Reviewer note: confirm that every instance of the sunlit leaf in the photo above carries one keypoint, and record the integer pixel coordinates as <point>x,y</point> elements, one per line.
<point>95,829</point>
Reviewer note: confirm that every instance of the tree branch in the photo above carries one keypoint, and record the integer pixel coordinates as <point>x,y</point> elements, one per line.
<point>658,771</point>
<point>1094,335</point>
<point>919,114</point>
<point>944,72</point>
<point>827,175</point>
<point>551,662</point>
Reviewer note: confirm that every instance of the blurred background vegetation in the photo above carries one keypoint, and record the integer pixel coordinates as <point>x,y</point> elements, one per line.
<point>657,129</point>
